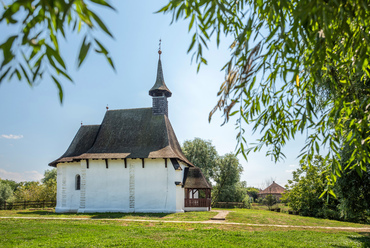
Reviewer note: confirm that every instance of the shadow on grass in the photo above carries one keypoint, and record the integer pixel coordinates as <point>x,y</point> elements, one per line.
<point>94,215</point>
<point>123,215</point>
<point>38,212</point>
<point>364,239</point>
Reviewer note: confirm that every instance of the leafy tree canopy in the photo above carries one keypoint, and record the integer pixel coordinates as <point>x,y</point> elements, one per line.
<point>228,186</point>
<point>34,53</point>
<point>307,185</point>
<point>49,175</point>
<point>353,192</point>
<point>283,57</point>
<point>35,191</point>
<point>203,155</point>
<point>5,192</point>
<point>269,201</point>
<point>253,192</point>
<point>13,184</point>
<point>224,170</point>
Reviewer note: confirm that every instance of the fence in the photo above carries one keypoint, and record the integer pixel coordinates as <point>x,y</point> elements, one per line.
<point>197,202</point>
<point>27,204</point>
<point>228,205</point>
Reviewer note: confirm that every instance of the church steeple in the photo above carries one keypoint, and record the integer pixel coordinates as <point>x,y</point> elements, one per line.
<point>159,88</point>
<point>159,92</point>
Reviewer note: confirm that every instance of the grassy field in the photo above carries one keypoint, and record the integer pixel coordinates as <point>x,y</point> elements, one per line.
<point>97,233</point>
<point>282,206</point>
<point>250,216</point>
<point>253,216</point>
<point>189,216</point>
<point>90,231</point>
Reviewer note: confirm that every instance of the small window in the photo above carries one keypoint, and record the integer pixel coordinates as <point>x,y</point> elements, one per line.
<point>78,182</point>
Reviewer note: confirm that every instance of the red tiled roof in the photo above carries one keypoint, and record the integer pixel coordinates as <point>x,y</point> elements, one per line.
<point>274,188</point>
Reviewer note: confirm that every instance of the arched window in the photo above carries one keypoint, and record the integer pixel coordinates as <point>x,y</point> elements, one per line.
<point>78,182</point>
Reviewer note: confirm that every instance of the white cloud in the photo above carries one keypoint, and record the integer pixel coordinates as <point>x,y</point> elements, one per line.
<point>289,171</point>
<point>292,165</point>
<point>11,136</point>
<point>21,176</point>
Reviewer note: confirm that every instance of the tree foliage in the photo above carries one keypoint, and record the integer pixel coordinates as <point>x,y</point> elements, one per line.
<point>49,175</point>
<point>30,190</point>
<point>35,191</point>
<point>228,186</point>
<point>253,192</point>
<point>224,170</point>
<point>306,187</point>
<point>203,155</point>
<point>353,193</point>
<point>13,184</point>
<point>49,184</point>
<point>282,55</point>
<point>269,201</point>
<point>5,192</point>
<point>49,190</point>
<point>33,52</point>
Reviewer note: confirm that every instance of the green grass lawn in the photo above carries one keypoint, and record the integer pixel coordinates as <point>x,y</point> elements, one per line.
<point>99,233</point>
<point>189,216</point>
<point>253,216</point>
<point>92,231</point>
<point>283,207</point>
<point>249,216</point>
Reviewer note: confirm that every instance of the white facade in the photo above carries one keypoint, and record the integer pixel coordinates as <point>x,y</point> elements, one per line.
<point>120,189</point>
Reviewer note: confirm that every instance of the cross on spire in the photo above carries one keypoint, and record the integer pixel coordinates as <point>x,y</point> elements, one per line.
<point>159,50</point>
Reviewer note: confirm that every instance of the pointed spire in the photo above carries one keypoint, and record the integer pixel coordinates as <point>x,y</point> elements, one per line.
<point>160,87</point>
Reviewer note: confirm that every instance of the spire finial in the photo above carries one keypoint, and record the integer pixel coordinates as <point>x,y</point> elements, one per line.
<point>159,50</point>
<point>81,123</point>
<point>107,107</point>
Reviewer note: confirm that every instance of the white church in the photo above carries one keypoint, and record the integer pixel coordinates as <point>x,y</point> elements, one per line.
<point>132,162</point>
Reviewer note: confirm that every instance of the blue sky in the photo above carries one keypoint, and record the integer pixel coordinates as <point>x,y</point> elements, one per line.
<point>35,128</point>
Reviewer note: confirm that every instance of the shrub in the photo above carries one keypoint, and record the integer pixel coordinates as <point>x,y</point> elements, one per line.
<point>5,192</point>
<point>269,201</point>
<point>247,201</point>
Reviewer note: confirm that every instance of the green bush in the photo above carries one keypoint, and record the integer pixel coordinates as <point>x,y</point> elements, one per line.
<point>269,201</point>
<point>247,201</point>
<point>5,192</point>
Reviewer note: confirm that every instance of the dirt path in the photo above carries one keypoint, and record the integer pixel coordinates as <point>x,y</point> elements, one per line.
<point>219,222</point>
<point>221,214</point>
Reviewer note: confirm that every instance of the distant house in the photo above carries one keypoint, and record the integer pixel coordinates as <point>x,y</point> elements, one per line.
<point>132,162</point>
<point>274,189</point>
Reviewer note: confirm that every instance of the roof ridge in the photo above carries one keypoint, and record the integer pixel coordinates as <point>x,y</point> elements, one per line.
<point>127,109</point>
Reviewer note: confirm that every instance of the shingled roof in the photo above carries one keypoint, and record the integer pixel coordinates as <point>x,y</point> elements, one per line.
<point>194,179</point>
<point>159,85</point>
<point>125,133</point>
<point>274,188</point>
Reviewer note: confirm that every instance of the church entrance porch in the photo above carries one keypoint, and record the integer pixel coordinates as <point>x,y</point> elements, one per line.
<point>197,199</point>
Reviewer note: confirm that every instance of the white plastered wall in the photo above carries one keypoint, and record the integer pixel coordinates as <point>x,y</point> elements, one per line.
<point>68,198</point>
<point>180,191</point>
<point>120,189</point>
